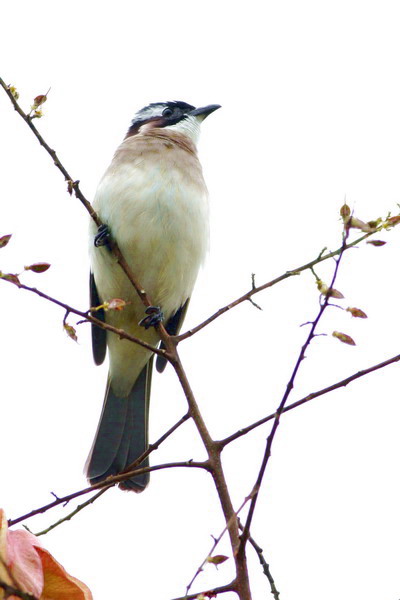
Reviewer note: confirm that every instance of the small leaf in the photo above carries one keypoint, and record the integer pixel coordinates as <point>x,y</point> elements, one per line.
<point>14,92</point>
<point>345,212</point>
<point>322,287</point>
<point>4,240</point>
<point>333,293</point>
<point>357,312</point>
<point>343,337</point>
<point>327,291</point>
<point>375,223</point>
<point>39,100</point>
<point>11,277</point>
<point>38,114</point>
<point>38,267</point>
<point>71,332</point>
<point>392,221</point>
<point>376,242</point>
<point>217,560</point>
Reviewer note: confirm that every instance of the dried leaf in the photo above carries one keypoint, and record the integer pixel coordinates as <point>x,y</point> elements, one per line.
<point>4,240</point>
<point>38,267</point>
<point>376,242</point>
<point>71,331</point>
<point>356,312</point>
<point>343,337</point>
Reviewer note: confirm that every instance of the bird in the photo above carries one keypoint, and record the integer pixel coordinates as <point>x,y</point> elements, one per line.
<point>153,202</point>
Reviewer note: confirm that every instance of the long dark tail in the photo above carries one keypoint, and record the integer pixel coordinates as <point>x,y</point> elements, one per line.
<point>122,434</point>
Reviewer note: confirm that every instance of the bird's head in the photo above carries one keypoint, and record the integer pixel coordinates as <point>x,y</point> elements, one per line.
<point>176,116</point>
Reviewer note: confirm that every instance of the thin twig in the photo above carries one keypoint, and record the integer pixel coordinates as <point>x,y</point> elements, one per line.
<point>255,290</point>
<point>214,545</point>
<point>210,593</point>
<point>289,387</point>
<point>66,499</point>
<point>264,564</point>
<point>73,513</point>
<point>107,483</point>
<point>86,315</point>
<point>326,390</point>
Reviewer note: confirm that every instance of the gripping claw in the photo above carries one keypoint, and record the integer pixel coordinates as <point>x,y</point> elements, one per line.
<point>154,316</point>
<point>103,236</point>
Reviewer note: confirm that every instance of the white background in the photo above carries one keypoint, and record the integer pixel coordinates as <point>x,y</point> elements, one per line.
<point>310,115</point>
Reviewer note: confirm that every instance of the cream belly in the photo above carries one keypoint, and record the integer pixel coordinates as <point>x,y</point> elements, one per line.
<point>160,222</point>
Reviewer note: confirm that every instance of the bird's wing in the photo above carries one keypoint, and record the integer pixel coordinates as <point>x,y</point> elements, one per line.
<point>99,344</point>
<point>173,327</point>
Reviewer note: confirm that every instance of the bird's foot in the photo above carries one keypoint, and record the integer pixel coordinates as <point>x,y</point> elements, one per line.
<point>103,236</point>
<point>154,316</point>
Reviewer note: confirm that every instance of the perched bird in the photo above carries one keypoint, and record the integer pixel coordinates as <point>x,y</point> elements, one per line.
<point>153,202</point>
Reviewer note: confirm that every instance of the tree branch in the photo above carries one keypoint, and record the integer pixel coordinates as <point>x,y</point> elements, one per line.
<point>289,387</point>
<point>69,497</point>
<point>86,315</point>
<point>255,290</point>
<point>322,392</point>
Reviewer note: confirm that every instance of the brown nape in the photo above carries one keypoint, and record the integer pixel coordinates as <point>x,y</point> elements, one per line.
<point>144,126</point>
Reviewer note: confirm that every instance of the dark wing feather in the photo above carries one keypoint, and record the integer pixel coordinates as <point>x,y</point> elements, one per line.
<point>99,342</point>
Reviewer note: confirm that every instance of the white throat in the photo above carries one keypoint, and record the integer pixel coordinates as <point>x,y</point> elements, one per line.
<point>190,126</point>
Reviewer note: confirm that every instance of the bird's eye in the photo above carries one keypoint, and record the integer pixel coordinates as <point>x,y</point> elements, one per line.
<point>167,112</point>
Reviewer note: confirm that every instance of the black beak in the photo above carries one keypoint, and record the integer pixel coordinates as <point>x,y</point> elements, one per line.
<point>204,110</point>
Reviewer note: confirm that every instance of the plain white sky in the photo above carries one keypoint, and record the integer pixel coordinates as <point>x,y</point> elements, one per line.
<point>311,114</point>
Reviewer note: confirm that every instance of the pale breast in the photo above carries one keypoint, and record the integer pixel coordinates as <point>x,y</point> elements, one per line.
<point>154,199</point>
